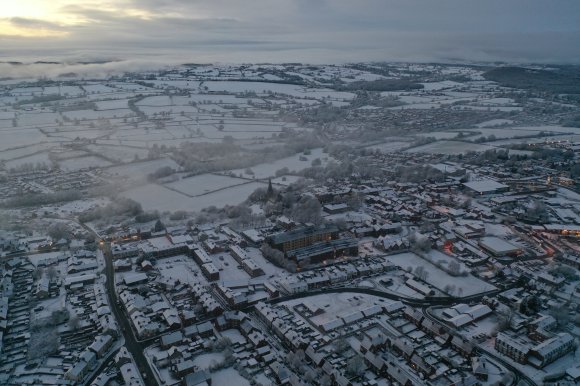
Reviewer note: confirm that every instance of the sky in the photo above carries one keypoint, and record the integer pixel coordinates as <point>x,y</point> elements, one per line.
<point>313,31</point>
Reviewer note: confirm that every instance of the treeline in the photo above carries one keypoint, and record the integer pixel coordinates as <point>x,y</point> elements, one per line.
<point>40,99</point>
<point>38,199</point>
<point>119,207</point>
<point>381,85</point>
<point>418,173</point>
<point>563,80</point>
<point>164,171</point>
<point>544,153</point>
<point>85,105</point>
<point>324,114</point>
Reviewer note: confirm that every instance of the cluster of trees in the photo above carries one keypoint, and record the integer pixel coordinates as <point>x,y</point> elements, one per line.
<point>505,315</point>
<point>147,217</point>
<point>29,167</point>
<point>530,305</point>
<point>164,171</point>
<point>419,243</point>
<point>324,114</point>
<point>454,269</point>
<point>569,273</point>
<point>421,140</point>
<point>492,155</point>
<point>483,138</point>
<point>306,210</point>
<point>450,289</point>
<point>374,98</point>
<point>332,170</point>
<point>421,273</point>
<point>297,362</point>
<point>38,199</point>
<point>178,215</point>
<point>51,273</point>
<point>538,212</point>
<point>277,258</point>
<point>119,207</point>
<point>575,170</point>
<point>355,366</point>
<point>418,173</point>
<point>566,80</point>
<point>198,158</point>
<point>59,231</point>
<point>43,341</point>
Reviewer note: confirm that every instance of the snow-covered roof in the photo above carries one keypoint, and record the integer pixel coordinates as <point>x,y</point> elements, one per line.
<point>497,245</point>
<point>485,186</point>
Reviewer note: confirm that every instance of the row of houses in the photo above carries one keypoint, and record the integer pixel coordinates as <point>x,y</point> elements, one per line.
<point>336,274</point>
<point>247,263</point>
<point>538,355</point>
<point>87,360</point>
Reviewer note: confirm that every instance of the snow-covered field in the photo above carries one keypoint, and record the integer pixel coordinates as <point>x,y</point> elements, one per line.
<point>140,170</point>
<point>73,164</point>
<point>438,278</point>
<point>450,147</point>
<point>12,138</point>
<point>388,147</point>
<point>157,197</point>
<point>205,361</point>
<point>440,134</point>
<point>495,122</point>
<point>293,163</point>
<point>204,184</point>
<point>39,158</point>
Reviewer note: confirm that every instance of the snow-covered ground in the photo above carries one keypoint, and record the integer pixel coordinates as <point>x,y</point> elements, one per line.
<point>293,163</point>
<point>228,376</point>
<point>468,285</point>
<point>204,184</point>
<point>157,197</point>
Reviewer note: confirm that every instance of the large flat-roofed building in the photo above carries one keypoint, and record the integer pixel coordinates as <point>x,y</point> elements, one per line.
<point>499,247</point>
<point>317,252</point>
<point>303,237</point>
<point>210,271</point>
<point>550,350</point>
<point>483,187</point>
<point>517,349</point>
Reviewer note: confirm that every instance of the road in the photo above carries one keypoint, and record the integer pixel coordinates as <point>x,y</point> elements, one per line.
<point>432,301</point>
<point>133,345</point>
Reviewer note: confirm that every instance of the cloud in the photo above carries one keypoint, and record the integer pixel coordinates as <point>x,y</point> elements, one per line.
<point>33,23</point>
<point>310,30</point>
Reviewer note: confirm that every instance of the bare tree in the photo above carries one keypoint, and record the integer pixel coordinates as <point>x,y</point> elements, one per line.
<point>421,272</point>
<point>37,274</point>
<point>341,345</point>
<point>52,273</point>
<point>74,322</point>
<point>449,289</point>
<point>59,231</point>
<point>355,366</point>
<point>454,268</point>
<point>561,315</point>
<point>505,317</point>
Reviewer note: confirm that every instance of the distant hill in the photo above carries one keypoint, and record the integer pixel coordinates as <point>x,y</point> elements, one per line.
<point>559,80</point>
